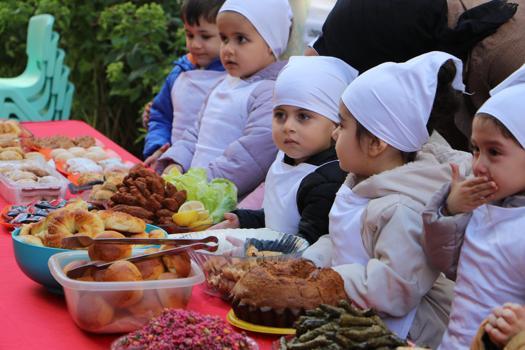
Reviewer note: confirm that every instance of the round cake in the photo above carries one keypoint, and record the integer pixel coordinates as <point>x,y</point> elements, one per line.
<point>276,293</point>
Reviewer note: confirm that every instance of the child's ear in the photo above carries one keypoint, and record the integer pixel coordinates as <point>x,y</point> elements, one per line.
<point>376,147</point>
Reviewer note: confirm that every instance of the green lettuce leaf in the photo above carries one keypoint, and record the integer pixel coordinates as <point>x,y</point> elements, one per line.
<point>219,196</point>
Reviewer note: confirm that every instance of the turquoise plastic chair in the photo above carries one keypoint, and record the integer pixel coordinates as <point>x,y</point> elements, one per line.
<point>11,109</point>
<point>61,96</point>
<point>42,92</point>
<point>57,73</point>
<point>31,81</point>
<point>39,101</point>
<point>52,55</point>
<point>24,109</point>
<point>60,76</point>
<point>49,110</point>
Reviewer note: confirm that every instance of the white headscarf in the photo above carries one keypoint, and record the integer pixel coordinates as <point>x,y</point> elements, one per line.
<point>507,104</point>
<point>271,18</point>
<point>394,100</point>
<point>314,83</point>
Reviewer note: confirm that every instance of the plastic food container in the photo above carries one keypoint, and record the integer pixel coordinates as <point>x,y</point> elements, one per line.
<point>228,264</point>
<point>32,260</point>
<point>92,304</point>
<point>23,192</point>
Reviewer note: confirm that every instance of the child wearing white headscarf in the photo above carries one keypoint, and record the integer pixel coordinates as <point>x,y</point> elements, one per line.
<point>375,227</point>
<point>301,184</point>
<point>473,226</point>
<point>231,137</point>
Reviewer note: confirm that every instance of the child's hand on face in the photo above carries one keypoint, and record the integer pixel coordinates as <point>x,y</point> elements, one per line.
<point>467,195</point>
<point>151,160</point>
<point>230,221</point>
<point>505,322</point>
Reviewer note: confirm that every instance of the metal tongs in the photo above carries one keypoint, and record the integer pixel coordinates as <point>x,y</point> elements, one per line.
<point>81,241</point>
<point>99,265</point>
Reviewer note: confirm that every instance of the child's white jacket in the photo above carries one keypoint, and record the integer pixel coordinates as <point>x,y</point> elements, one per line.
<point>484,250</point>
<point>398,278</point>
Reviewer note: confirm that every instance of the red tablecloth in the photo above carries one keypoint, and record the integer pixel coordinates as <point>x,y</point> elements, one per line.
<point>33,318</point>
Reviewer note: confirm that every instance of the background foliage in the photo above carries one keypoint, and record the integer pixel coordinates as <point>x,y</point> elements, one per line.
<point>119,53</point>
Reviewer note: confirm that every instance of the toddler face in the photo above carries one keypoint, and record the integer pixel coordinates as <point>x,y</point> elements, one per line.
<point>203,41</point>
<point>497,157</point>
<point>348,146</point>
<point>243,51</point>
<point>301,133</point>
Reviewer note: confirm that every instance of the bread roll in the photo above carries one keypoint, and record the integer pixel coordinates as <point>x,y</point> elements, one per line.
<point>93,312</point>
<point>109,252</point>
<point>179,264</point>
<point>150,269</point>
<point>176,298</point>
<point>121,271</point>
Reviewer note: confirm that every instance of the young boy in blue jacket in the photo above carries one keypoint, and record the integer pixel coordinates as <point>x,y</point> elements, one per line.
<point>184,90</point>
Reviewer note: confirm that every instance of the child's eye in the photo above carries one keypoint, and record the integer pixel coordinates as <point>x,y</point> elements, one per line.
<point>303,117</point>
<point>223,38</point>
<point>207,37</point>
<point>474,149</point>
<point>494,152</point>
<point>278,115</point>
<point>189,35</point>
<point>241,39</point>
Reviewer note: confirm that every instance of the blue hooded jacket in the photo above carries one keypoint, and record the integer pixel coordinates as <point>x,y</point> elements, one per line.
<point>161,113</point>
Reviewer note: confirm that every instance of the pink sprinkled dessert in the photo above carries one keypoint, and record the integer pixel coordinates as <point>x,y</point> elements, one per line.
<point>178,329</point>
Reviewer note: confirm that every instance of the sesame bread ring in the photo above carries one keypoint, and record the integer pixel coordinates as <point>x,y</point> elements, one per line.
<point>68,223</point>
<point>121,222</point>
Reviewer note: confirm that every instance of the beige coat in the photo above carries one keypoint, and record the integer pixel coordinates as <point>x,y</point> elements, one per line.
<point>398,278</point>
<point>492,59</point>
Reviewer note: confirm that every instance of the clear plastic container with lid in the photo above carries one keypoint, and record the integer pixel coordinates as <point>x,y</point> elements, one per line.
<point>118,307</point>
<point>25,181</point>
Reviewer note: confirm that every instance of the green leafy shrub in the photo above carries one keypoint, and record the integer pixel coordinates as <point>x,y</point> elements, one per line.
<point>119,53</point>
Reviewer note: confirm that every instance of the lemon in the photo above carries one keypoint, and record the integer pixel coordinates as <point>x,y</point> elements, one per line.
<point>191,205</point>
<point>174,171</point>
<point>186,218</point>
<point>203,215</point>
<point>202,224</point>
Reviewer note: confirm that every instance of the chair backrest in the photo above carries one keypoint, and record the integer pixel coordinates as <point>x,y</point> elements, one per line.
<point>52,54</point>
<point>39,32</point>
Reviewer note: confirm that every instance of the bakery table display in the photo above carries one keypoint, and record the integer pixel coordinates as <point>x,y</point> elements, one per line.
<point>34,318</point>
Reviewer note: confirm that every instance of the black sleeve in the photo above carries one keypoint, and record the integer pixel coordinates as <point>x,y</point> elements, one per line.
<point>250,218</point>
<point>315,197</point>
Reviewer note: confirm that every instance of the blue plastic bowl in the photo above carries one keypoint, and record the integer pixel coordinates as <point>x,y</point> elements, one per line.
<point>32,260</point>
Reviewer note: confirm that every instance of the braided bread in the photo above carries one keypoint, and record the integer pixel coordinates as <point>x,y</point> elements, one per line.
<point>121,222</point>
<point>68,223</point>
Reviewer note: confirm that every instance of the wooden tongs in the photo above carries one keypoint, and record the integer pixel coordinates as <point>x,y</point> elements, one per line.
<point>99,265</point>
